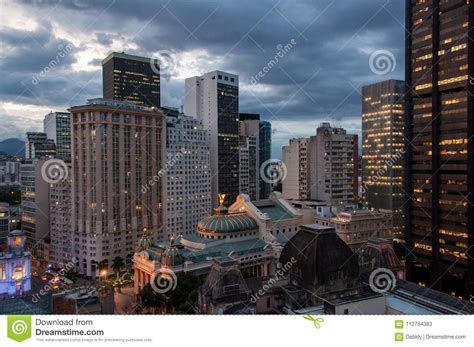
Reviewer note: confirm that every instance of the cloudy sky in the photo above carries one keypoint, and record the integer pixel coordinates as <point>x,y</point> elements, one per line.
<point>51,52</point>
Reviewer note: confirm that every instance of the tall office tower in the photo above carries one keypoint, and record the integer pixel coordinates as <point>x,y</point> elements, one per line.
<point>439,130</point>
<point>4,224</point>
<point>265,155</point>
<point>333,166</point>
<point>131,78</point>
<point>248,165</point>
<point>118,148</point>
<point>57,127</point>
<point>213,98</point>
<point>188,174</point>
<point>60,209</point>
<point>256,139</point>
<point>39,146</point>
<point>296,183</point>
<point>34,203</point>
<point>383,112</point>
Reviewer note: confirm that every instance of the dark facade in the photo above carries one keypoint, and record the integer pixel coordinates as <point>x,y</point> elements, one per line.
<point>383,112</point>
<point>265,149</point>
<point>228,140</point>
<point>39,146</point>
<point>131,78</point>
<point>249,116</point>
<point>263,153</point>
<point>439,131</point>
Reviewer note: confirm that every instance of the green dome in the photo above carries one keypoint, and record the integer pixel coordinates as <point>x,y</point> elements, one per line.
<point>227,223</point>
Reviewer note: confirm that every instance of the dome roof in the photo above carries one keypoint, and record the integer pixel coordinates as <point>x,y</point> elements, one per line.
<point>227,223</point>
<point>322,258</point>
<point>16,232</point>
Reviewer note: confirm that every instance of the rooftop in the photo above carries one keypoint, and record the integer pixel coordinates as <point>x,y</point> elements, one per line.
<point>227,223</point>
<point>123,55</point>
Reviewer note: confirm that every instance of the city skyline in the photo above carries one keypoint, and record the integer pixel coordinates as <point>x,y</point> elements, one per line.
<point>163,192</point>
<point>331,94</point>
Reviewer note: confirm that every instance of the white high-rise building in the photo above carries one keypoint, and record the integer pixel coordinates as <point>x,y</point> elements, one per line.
<point>249,162</point>
<point>213,98</point>
<point>60,209</point>
<point>188,174</point>
<point>295,184</point>
<point>57,127</point>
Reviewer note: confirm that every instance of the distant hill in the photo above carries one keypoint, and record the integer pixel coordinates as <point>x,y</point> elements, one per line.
<point>13,147</point>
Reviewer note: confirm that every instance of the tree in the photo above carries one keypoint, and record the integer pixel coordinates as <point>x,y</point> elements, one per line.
<point>100,265</point>
<point>12,197</point>
<point>117,265</point>
<point>150,298</point>
<point>186,293</point>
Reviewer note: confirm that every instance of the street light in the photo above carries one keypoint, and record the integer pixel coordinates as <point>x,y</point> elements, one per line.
<point>103,274</point>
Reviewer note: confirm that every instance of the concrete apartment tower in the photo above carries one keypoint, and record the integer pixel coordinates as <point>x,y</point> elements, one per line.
<point>323,167</point>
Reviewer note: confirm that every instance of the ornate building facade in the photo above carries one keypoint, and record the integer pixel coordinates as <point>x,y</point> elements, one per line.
<point>15,266</point>
<point>251,233</point>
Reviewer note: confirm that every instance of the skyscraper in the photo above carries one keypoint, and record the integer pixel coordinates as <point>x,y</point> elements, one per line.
<point>383,106</point>
<point>265,154</point>
<point>248,163</point>
<point>439,130</point>
<point>131,78</point>
<point>256,142</point>
<point>34,202</point>
<point>213,98</point>
<point>188,173</point>
<point>118,150</point>
<point>39,146</point>
<point>57,126</point>
<point>60,209</point>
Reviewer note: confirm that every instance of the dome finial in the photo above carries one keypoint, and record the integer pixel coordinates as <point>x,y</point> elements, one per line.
<point>221,209</point>
<point>221,199</point>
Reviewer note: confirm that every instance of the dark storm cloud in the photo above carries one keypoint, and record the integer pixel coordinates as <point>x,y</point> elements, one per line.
<point>319,79</point>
